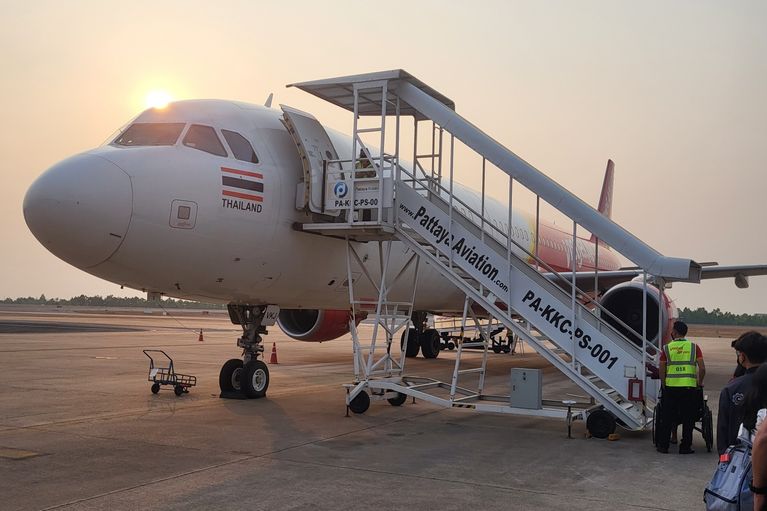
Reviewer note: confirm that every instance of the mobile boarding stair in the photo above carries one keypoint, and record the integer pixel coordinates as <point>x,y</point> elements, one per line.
<point>419,205</point>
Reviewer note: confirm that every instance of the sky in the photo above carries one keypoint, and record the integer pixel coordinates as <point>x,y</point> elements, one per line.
<point>673,92</point>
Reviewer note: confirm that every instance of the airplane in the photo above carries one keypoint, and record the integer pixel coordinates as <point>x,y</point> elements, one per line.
<point>198,200</point>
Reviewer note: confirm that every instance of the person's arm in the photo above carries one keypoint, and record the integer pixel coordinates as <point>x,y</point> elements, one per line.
<point>723,421</point>
<point>701,372</point>
<point>759,466</point>
<point>662,372</point>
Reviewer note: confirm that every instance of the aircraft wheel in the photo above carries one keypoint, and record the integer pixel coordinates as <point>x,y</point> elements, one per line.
<point>255,379</point>
<point>178,390</point>
<point>360,403</point>
<point>229,377</point>
<point>399,400</point>
<point>430,344</point>
<point>600,424</point>
<point>155,388</point>
<point>412,342</point>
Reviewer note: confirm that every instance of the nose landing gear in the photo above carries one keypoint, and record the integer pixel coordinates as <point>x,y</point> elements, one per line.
<point>249,377</point>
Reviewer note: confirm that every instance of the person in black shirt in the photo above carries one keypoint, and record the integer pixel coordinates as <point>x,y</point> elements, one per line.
<point>752,352</point>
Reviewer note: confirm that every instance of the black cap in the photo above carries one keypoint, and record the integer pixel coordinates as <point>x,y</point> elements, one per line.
<point>680,327</point>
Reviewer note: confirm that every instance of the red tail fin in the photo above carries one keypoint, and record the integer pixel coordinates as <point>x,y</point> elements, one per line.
<point>606,197</point>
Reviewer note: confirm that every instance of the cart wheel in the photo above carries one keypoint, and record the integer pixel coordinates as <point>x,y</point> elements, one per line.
<point>412,342</point>
<point>255,379</point>
<point>600,424</point>
<point>451,345</point>
<point>178,390</point>
<point>399,400</point>
<point>708,429</point>
<point>360,403</point>
<point>496,348</point>
<point>155,388</point>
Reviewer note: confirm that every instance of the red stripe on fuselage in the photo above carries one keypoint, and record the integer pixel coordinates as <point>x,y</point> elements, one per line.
<point>242,172</point>
<point>242,195</point>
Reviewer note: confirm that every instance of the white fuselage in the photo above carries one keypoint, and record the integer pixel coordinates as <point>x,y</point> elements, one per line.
<point>114,212</point>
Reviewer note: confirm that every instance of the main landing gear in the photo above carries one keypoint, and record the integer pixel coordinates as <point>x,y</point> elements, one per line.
<point>247,377</point>
<point>422,338</point>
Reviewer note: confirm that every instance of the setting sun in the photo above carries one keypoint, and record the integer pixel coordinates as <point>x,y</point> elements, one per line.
<point>158,99</point>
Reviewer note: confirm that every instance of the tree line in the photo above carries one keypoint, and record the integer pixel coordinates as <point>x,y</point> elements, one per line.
<point>693,316</point>
<point>718,317</point>
<point>112,301</point>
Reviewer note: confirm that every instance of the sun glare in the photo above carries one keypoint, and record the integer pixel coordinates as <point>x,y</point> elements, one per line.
<point>158,99</point>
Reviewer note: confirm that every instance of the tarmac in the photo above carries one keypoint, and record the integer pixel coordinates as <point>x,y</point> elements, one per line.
<point>79,429</point>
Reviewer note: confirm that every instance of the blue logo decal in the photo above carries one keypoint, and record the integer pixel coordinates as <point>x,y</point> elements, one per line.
<point>340,189</point>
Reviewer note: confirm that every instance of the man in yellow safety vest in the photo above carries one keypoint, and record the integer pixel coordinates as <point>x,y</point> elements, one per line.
<point>681,373</point>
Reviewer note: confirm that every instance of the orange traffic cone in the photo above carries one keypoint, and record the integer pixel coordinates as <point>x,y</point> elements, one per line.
<point>200,339</point>
<point>273,358</point>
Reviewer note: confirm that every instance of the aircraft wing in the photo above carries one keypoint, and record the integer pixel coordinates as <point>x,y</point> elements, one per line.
<point>739,273</point>
<point>607,279</point>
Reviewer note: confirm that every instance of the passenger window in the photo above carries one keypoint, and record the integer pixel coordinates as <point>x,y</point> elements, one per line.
<point>240,146</point>
<point>205,139</point>
<point>150,133</point>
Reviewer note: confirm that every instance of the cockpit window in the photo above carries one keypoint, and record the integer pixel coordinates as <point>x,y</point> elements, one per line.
<point>240,146</point>
<point>150,133</point>
<point>205,139</point>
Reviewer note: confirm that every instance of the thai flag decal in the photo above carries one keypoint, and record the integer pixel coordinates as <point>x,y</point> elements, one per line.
<point>242,184</point>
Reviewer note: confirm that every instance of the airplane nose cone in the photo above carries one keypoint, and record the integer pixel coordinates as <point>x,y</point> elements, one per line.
<point>80,209</point>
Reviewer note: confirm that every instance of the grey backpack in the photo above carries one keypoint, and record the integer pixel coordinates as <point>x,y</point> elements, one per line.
<point>729,487</point>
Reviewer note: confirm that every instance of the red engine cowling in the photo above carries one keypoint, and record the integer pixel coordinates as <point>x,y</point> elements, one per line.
<point>625,302</point>
<point>314,325</point>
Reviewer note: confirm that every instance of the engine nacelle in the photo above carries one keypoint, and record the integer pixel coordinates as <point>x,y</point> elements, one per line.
<point>625,302</point>
<point>314,325</point>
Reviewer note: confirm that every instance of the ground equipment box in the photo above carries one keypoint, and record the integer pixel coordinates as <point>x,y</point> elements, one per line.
<point>526,388</point>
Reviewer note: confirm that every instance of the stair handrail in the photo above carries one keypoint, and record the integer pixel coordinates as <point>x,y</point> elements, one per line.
<point>580,293</point>
<point>552,192</point>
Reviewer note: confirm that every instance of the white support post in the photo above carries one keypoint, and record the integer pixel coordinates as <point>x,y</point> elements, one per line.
<point>459,352</point>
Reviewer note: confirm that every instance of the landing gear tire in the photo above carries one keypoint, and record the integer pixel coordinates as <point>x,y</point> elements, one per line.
<point>360,403</point>
<point>600,424</point>
<point>230,375</point>
<point>412,342</point>
<point>255,379</point>
<point>399,400</point>
<point>430,343</point>
<point>178,390</point>
<point>155,388</point>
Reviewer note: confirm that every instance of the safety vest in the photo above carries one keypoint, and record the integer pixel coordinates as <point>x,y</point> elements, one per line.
<point>680,364</point>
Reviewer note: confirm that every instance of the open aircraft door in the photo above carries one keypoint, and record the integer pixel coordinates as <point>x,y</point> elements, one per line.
<point>315,148</point>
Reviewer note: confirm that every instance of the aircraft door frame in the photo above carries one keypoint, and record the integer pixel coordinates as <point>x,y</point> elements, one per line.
<point>315,149</point>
